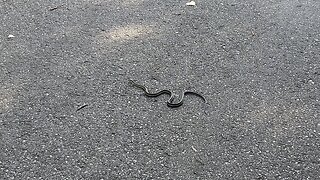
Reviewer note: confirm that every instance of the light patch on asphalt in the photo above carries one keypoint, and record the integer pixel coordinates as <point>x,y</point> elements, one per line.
<point>6,97</point>
<point>129,32</point>
<point>124,34</point>
<point>282,119</point>
<point>132,2</point>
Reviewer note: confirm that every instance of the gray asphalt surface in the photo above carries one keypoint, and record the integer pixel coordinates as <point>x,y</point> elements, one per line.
<point>68,112</point>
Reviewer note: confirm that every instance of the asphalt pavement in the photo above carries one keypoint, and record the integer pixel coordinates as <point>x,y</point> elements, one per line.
<point>67,110</point>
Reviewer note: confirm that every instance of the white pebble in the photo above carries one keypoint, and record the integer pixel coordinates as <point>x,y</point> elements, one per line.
<point>191,3</point>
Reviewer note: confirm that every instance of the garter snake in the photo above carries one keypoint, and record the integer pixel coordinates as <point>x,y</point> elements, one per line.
<point>165,91</point>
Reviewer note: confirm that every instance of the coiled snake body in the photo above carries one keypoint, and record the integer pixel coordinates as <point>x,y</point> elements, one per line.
<point>165,91</point>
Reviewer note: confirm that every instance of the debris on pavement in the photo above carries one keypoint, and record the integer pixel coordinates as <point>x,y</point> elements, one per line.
<point>54,8</point>
<point>191,3</point>
<point>81,107</point>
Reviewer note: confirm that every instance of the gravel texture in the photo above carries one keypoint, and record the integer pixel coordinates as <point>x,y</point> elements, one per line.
<point>68,112</point>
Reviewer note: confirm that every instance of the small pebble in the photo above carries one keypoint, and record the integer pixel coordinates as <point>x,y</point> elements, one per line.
<point>191,3</point>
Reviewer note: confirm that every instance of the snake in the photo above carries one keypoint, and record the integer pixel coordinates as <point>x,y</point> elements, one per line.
<point>168,92</point>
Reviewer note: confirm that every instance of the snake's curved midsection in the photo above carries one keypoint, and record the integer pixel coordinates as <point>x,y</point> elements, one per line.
<point>165,91</point>
<point>180,102</point>
<point>156,94</point>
